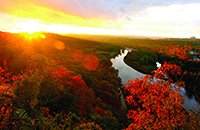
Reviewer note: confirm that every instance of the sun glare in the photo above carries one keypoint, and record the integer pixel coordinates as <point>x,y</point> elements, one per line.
<point>32,36</point>
<point>28,26</point>
<point>31,26</point>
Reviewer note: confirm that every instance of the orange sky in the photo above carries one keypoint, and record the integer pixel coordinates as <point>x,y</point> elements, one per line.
<point>115,17</point>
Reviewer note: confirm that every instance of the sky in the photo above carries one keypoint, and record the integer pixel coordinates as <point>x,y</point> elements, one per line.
<point>162,18</point>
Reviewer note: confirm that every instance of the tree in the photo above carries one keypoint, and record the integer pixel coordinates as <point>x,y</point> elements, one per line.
<point>155,103</point>
<point>8,118</point>
<point>56,89</point>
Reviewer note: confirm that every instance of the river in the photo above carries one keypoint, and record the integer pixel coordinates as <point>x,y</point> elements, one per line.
<point>127,73</point>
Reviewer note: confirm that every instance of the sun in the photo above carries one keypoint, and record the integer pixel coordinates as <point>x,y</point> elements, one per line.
<point>31,31</point>
<point>34,35</point>
<point>30,26</point>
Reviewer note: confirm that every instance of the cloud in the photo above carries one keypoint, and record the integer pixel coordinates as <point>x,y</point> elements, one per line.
<point>87,9</point>
<point>108,9</point>
<point>34,10</point>
<point>104,13</point>
<point>177,14</point>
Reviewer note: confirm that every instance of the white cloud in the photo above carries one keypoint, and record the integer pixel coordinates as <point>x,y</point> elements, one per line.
<point>178,14</point>
<point>127,16</point>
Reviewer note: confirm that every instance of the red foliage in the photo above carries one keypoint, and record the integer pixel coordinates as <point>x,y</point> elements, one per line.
<point>176,50</point>
<point>156,104</point>
<point>6,77</point>
<point>6,96</point>
<point>85,97</point>
<point>167,69</point>
<point>99,111</point>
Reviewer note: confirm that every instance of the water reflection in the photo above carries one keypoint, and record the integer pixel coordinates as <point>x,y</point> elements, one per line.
<point>127,73</point>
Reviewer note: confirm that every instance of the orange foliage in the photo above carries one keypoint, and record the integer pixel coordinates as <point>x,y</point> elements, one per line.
<point>168,69</point>
<point>156,103</point>
<point>182,52</point>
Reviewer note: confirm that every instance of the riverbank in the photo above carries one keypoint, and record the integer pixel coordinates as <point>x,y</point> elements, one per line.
<point>126,73</point>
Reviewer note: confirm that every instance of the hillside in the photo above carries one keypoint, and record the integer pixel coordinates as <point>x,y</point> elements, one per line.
<point>50,81</point>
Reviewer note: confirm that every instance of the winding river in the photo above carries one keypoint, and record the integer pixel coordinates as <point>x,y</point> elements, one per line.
<point>127,73</point>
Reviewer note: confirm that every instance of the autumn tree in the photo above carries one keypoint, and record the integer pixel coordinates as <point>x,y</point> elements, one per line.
<point>8,118</point>
<point>156,103</point>
<point>187,57</point>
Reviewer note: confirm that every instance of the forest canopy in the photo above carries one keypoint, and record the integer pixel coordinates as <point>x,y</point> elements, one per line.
<point>49,81</point>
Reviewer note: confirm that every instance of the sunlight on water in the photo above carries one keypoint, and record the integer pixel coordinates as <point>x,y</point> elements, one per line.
<point>158,65</point>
